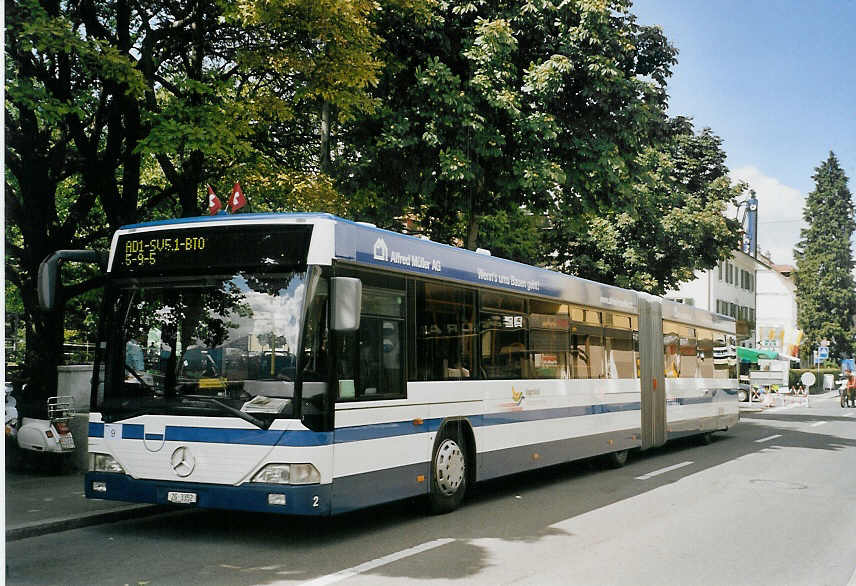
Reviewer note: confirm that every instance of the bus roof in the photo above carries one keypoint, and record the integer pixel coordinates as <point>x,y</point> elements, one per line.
<point>367,245</point>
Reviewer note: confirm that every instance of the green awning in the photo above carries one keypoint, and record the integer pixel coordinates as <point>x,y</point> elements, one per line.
<point>752,355</point>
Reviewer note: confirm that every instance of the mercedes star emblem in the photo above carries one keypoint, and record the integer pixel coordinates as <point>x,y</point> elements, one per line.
<point>182,462</point>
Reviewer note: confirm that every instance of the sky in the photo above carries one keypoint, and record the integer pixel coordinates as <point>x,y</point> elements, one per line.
<point>776,80</point>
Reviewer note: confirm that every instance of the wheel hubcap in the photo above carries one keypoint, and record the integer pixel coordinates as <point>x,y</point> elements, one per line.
<point>449,466</point>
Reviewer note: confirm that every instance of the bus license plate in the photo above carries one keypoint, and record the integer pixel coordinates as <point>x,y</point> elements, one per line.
<point>182,498</point>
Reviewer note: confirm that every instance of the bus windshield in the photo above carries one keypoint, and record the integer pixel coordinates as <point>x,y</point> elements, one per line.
<point>213,346</point>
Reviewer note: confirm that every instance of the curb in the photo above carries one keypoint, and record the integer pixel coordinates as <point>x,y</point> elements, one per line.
<point>64,524</point>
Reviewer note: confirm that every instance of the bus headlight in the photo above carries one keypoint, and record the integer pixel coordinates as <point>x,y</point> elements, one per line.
<point>288,474</point>
<point>104,463</point>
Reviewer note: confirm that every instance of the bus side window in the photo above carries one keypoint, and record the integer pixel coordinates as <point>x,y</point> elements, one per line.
<point>586,343</point>
<point>619,345</point>
<point>504,329</point>
<point>445,340</point>
<point>370,361</point>
<point>689,353</point>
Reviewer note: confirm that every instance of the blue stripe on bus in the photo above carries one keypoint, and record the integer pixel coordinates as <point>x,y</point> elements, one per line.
<point>558,413</point>
<point>255,437</point>
<point>133,431</point>
<point>384,430</point>
<point>301,438</point>
<point>694,400</point>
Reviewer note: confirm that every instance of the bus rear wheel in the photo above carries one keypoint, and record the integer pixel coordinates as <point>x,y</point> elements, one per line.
<point>617,459</point>
<point>706,438</point>
<point>448,473</point>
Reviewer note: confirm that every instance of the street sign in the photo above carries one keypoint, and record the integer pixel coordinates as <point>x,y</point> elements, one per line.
<point>823,352</point>
<point>808,379</point>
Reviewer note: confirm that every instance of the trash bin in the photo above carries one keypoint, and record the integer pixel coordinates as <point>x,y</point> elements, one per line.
<point>828,382</point>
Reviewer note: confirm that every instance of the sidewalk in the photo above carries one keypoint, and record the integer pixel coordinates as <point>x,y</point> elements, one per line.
<point>40,503</point>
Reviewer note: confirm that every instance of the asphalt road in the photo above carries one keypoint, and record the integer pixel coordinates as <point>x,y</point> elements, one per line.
<point>772,501</point>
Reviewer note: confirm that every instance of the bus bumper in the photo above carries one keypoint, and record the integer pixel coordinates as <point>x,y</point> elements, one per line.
<point>307,500</point>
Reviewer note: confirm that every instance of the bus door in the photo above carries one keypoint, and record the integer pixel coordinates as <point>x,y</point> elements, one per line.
<point>374,450</point>
<point>653,387</point>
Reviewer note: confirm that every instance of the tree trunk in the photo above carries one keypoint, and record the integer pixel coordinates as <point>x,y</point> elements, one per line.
<point>325,138</point>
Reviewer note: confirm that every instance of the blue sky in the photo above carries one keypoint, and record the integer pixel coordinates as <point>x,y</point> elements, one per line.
<point>776,80</point>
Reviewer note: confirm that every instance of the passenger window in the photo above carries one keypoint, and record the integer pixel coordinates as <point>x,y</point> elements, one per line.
<point>689,354</point>
<point>586,344</point>
<point>445,336</point>
<point>381,357</point>
<point>371,360</point>
<point>705,353</point>
<point>549,340</point>
<point>671,349</point>
<point>503,330</point>
<point>619,346</point>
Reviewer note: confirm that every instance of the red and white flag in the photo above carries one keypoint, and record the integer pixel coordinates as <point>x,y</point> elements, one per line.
<point>237,199</point>
<point>214,204</point>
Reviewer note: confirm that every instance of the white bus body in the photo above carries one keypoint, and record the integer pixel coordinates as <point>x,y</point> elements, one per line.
<point>369,426</point>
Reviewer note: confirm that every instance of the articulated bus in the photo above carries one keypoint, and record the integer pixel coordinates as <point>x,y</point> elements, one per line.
<point>309,365</point>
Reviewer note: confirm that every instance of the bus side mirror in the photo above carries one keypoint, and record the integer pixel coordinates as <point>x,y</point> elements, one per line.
<point>49,272</point>
<point>347,304</point>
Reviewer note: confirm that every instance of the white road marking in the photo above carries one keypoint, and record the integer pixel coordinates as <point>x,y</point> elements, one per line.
<point>371,565</point>
<point>662,471</point>
<point>817,423</point>
<point>852,581</point>
<point>766,439</point>
<point>851,414</point>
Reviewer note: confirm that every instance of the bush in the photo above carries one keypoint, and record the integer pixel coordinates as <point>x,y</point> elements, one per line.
<point>795,374</point>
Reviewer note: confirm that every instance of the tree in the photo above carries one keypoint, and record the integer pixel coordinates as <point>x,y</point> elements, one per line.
<point>490,106</point>
<point>54,79</point>
<point>826,297</point>
<point>538,130</point>
<point>120,111</point>
<point>674,226</point>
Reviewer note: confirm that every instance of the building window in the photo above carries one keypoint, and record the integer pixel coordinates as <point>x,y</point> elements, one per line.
<point>719,266</point>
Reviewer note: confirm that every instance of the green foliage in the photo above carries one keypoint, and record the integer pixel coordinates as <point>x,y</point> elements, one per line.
<point>558,109</point>
<point>120,112</point>
<point>674,227</point>
<point>826,296</point>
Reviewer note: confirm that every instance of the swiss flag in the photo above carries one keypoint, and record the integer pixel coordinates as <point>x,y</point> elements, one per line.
<point>214,204</point>
<point>237,199</point>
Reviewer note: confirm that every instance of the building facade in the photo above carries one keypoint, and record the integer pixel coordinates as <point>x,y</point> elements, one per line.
<point>729,289</point>
<point>777,306</point>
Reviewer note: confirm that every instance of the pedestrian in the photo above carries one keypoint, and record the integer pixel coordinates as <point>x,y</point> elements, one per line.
<point>851,388</point>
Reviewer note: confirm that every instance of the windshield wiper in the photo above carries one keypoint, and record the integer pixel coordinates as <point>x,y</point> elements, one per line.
<point>260,423</point>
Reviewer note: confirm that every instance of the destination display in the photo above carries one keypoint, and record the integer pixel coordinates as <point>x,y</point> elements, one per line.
<point>207,249</point>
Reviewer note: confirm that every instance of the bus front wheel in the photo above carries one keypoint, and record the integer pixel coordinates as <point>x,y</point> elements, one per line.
<point>448,473</point>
